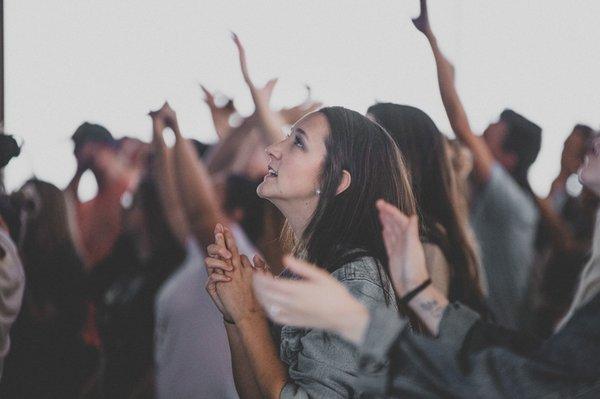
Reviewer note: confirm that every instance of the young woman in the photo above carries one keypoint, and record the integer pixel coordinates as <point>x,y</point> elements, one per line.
<point>449,252</point>
<point>469,358</point>
<point>325,178</point>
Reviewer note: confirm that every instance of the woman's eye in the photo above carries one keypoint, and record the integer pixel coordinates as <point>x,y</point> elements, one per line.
<point>298,143</point>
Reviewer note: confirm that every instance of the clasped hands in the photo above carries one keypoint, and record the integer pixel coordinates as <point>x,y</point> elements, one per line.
<point>230,276</point>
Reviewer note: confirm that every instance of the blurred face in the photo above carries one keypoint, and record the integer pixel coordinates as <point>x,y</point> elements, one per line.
<point>295,166</point>
<point>573,152</point>
<point>589,175</point>
<point>494,138</point>
<point>84,154</point>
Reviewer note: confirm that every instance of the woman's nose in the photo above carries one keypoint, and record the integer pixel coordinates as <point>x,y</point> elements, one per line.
<point>273,151</point>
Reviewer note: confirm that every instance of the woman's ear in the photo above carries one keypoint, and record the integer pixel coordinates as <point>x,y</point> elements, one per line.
<point>344,183</point>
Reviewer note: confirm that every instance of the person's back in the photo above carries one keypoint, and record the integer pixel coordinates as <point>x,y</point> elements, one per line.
<point>191,351</point>
<point>504,219</point>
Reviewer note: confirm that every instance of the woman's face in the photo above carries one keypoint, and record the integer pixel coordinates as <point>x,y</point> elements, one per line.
<point>589,174</point>
<point>295,165</point>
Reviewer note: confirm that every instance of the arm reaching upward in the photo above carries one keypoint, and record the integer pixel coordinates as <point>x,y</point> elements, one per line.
<point>483,159</point>
<point>220,115</point>
<point>269,121</point>
<point>164,173</point>
<point>198,196</point>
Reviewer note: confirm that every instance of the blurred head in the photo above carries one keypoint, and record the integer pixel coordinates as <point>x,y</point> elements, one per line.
<point>336,164</point>
<point>515,142</point>
<point>243,205</point>
<point>45,214</point>
<point>89,138</point>
<point>434,185</point>
<point>575,148</point>
<point>589,175</point>
<point>9,149</point>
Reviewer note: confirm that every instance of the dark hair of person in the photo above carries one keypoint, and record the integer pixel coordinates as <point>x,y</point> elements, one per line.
<point>240,193</point>
<point>9,149</point>
<point>163,241</point>
<point>346,226</point>
<point>523,138</point>
<point>587,132</point>
<point>90,132</point>
<point>53,268</point>
<point>201,148</point>
<point>434,186</point>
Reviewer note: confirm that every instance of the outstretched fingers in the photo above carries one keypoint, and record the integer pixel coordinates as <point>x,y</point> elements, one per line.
<point>242,56</point>
<point>304,269</point>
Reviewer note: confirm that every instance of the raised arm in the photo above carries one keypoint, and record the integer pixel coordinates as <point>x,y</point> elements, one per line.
<point>220,115</point>
<point>164,173</point>
<point>483,159</point>
<point>269,121</point>
<point>198,196</point>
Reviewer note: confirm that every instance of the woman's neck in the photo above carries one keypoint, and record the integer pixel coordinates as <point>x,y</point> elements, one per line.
<point>298,215</point>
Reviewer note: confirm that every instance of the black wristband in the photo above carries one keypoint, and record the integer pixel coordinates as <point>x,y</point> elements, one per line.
<point>409,297</point>
<point>228,321</point>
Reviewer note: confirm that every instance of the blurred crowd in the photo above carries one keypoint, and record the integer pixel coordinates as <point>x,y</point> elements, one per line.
<point>311,252</point>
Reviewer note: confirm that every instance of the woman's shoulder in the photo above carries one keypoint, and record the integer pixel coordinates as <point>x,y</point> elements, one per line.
<point>363,267</point>
<point>366,279</point>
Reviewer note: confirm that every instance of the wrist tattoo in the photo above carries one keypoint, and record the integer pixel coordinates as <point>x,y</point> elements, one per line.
<point>433,308</point>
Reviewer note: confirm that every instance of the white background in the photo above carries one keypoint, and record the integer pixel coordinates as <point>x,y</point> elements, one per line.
<point>111,61</point>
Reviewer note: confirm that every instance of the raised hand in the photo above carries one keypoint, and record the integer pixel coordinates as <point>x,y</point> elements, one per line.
<point>422,21</point>
<point>220,115</point>
<point>300,302</point>
<point>165,117</point>
<point>242,56</point>
<point>404,249</point>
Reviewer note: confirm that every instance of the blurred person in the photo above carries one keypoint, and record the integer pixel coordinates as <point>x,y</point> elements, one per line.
<point>96,150</point>
<point>191,351</point>
<point>12,278</point>
<point>450,255</point>
<point>49,358</point>
<point>504,215</point>
<point>189,333</point>
<point>12,283</point>
<point>324,177</point>
<point>577,212</point>
<point>124,285</point>
<point>564,238</point>
<point>9,149</point>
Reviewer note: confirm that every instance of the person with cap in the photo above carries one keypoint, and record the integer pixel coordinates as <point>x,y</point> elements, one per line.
<point>99,219</point>
<point>504,214</point>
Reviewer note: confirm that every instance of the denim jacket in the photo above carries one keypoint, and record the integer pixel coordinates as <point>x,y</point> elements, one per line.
<point>323,365</point>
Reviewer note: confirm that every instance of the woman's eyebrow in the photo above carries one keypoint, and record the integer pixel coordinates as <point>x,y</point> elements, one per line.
<point>301,132</point>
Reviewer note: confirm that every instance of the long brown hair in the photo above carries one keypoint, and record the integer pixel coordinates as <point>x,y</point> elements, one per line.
<point>346,226</point>
<point>435,188</point>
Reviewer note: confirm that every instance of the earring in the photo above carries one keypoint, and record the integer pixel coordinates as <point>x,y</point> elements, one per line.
<point>318,192</point>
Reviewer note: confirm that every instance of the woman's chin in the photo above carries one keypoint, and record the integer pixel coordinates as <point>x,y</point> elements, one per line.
<point>262,191</point>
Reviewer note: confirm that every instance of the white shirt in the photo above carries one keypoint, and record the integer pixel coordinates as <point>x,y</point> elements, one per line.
<point>191,349</point>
